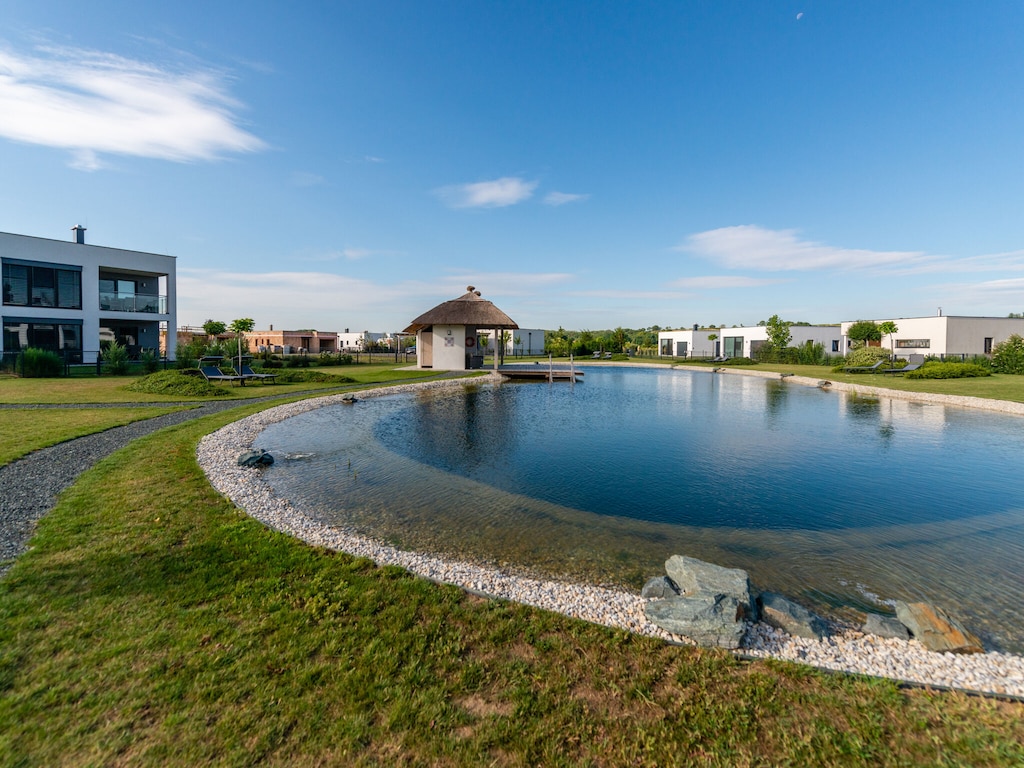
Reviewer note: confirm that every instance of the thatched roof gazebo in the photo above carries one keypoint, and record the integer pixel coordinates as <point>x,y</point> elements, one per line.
<point>447,336</point>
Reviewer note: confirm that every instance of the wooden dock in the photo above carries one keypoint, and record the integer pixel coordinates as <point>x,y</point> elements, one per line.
<point>541,373</point>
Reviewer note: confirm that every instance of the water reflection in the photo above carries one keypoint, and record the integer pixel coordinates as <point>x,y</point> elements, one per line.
<point>844,501</point>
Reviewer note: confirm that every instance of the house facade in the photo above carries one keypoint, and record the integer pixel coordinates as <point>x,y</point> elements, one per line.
<point>945,336</point>
<point>743,341</point>
<point>69,297</point>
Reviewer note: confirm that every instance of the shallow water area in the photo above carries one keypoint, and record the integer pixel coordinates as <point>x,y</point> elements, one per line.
<point>845,502</point>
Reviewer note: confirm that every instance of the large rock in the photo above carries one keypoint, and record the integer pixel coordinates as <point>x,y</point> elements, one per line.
<point>695,578</point>
<point>935,629</point>
<point>659,586</point>
<point>784,614</point>
<point>885,626</point>
<point>707,620</point>
<point>881,626</point>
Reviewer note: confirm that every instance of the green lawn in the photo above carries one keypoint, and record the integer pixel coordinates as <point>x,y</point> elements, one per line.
<point>111,389</point>
<point>24,431</point>
<point>152,623</point>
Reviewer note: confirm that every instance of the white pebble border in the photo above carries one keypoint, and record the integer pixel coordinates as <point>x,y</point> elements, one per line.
<point>847,650</point>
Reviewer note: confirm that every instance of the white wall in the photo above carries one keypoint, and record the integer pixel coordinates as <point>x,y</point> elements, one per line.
<point>91,258</point>
<point>449,347</point>
<point>946,334</point>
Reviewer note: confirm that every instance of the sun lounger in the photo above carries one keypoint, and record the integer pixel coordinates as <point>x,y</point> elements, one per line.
<point>904,369</point>
<point>249,373</point>
<point>864,368</point>
<point>212,373</point>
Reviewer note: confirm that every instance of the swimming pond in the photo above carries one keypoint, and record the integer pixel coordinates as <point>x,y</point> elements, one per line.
<point>847,502</point>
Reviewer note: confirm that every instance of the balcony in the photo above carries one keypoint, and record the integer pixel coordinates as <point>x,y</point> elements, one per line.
<point>115,301</point>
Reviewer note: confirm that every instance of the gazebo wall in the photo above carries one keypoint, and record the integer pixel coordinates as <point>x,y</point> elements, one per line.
<point>448,347</point>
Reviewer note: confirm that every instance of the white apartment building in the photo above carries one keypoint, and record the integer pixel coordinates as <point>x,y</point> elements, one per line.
<point>945,336</point>
<point>69,297</point>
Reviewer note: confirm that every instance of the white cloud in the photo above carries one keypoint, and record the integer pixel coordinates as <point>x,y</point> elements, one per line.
<point>498,193</point>
<point>93,103</point>
<point>723,281</point>
<point>752,247</point>
<point>561,198</point>
<point>331,302</point>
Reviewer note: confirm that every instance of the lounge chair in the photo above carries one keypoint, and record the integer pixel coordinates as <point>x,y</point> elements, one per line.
<point>249,373</point>
<point>720,359</point>
<point>607,355</point>
<point>596,356</point>
<point>863,368</point>
<point>904,369</point>
<point>212,373</point>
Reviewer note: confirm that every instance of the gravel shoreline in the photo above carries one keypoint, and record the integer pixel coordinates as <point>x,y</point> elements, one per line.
<point>847,650</point>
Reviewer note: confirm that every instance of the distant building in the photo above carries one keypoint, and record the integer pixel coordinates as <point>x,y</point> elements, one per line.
<point>448,336</point>
<point>945,336</point>
<point>743,341</point>
<point>292,342</point>
<point>70,297</point>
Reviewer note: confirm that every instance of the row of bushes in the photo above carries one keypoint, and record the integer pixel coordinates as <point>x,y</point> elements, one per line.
<point>35,363</point>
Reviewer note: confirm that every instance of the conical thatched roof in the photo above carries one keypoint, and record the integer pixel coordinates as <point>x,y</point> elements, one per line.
<point>468,309</point>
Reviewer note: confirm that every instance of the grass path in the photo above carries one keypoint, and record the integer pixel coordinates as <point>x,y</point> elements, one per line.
<point>153,623</point>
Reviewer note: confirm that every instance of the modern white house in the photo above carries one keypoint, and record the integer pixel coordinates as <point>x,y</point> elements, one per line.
<point>68,297</point>
<point>743,341</point>
<point>945,336</point>
<point>518,343</point>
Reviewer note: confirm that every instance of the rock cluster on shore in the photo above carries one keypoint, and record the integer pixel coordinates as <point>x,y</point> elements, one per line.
<point>840,648</point>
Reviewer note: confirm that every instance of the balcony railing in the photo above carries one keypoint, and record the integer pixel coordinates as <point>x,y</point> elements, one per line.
<point>112,301</point>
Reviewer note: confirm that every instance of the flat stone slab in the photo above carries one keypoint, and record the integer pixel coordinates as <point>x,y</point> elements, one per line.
<point>707,620</point>
<point>782,613</point>
<point>935,629</point>
<point>696,578</point>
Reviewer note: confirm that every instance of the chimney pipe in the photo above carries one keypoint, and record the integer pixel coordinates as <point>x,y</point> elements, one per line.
<point>940,312</point>
<point>79,231</point>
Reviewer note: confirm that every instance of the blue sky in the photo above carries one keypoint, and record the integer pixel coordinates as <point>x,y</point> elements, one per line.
<point>584,164</point>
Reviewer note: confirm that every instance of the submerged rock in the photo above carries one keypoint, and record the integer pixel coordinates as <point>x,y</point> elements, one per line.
<point>782,613</point>
<point>935,629</point>
<point>885,626</point>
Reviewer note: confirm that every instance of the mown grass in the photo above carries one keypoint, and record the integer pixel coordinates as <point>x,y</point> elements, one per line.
<point>153,623</point>
<point>113,389</point>
<point>24,431</point>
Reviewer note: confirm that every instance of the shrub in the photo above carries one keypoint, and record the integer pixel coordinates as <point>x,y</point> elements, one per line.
<point>150,362</point>
<point>326,358</point>
<point>948,371</point>
<point>298,361</point>
<point>40,364</point>
<point>185,356</point>
<point>116,358</point>
<point>864,356</point>
<point>737,361</point>
<point>177,383</point>
<point>1008,356</point>
<point>293,376</point>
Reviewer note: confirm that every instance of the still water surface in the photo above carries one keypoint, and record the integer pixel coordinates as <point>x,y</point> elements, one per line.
<point>845,502</point>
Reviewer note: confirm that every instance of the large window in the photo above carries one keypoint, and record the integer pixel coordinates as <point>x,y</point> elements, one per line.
<point>28,284</point>
<point>56,336</point>
<point>733,346</point>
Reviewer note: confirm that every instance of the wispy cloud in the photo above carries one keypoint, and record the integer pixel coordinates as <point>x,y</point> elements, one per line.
<point>92,103</point>
<point>561,198</point>
<point>723,281</point>
<point>306,179</point>
<point>752,247</point>
<point>498,193</point>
